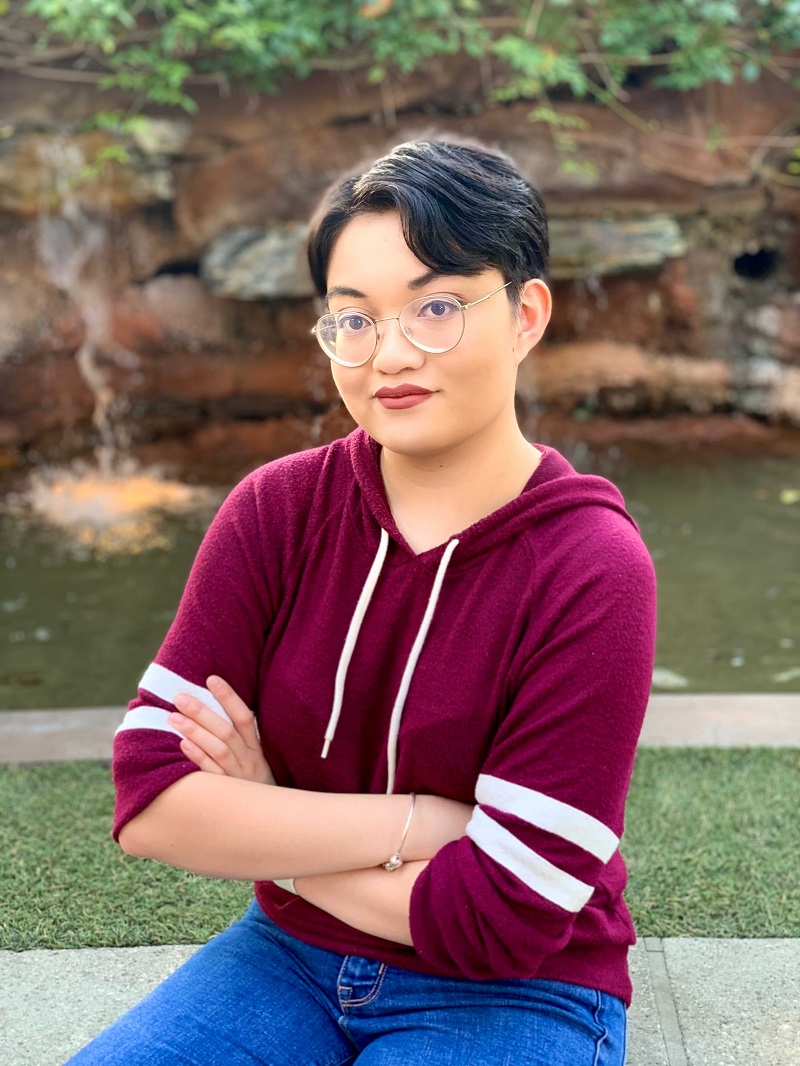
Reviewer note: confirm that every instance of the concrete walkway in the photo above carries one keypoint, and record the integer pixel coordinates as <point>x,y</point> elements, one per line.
<point>726,721</point>
<point>696,1002</point>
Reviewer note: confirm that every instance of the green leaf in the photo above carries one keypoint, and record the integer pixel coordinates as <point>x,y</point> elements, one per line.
<point>262,43</point>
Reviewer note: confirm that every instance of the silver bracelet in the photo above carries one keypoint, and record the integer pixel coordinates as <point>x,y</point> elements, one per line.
<point>396,860</point>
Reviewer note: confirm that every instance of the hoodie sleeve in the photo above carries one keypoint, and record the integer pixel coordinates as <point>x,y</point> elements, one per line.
<point>551,793</point>
<point>220,626</point>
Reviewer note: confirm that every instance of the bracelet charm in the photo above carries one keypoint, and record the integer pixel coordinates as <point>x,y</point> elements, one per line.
<point>396,861</point>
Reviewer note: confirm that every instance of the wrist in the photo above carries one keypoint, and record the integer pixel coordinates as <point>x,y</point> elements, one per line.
<point>395,861</point>
<point>418,839</point>
<point>437,821</point>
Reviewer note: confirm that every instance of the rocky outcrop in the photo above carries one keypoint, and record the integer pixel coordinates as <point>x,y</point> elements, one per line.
<point>172,279</point>
<point>249,263</point>
<point>775,329</point>
<point>622,379</point>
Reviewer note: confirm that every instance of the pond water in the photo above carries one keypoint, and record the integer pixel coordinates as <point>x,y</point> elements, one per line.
<point>80,619</point>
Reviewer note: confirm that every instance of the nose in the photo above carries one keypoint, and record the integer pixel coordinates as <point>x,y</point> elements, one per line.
<point>395,352</point>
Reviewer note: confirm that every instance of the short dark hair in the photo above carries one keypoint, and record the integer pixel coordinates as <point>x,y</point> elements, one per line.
<point>464,207</point>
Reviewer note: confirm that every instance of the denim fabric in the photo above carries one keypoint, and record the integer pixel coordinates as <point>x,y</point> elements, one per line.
<point>256,995</point>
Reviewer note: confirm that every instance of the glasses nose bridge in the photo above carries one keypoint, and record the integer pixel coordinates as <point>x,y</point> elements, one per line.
<point>379,334</point>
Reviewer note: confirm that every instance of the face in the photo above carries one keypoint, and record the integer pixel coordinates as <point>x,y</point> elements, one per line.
<point>471,386</point>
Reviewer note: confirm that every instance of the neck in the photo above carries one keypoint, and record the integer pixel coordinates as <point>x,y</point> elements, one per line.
<point>464,484</point>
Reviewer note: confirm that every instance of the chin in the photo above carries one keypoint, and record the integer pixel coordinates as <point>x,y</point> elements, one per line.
<point>415,445</point>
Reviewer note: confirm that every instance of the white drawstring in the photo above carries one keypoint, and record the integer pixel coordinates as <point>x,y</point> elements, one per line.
<point>350,643</point>
<point>352,637</point>
<point>408,673</point>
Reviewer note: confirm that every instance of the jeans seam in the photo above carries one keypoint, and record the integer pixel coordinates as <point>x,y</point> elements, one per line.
<point>604,1032</point>
<point>373,992</point>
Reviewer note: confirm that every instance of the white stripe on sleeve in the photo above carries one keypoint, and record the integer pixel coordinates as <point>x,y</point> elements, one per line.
<point>547,813</point>
<point>147,718</point>
<point>531,868</point>
<point>166,684</point>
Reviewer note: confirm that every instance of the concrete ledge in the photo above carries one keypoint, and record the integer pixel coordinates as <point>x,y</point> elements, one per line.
<point>735,720</point>
<point>54,1002</point>
<point>696,1002</point>
<point>58,735</point>
<point>702,720</point>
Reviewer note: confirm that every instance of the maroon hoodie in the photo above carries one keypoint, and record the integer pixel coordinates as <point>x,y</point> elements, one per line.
<point>509,668</point>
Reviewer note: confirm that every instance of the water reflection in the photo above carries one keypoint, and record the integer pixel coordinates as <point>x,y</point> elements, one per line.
<point>724,534</point>
<point>101,514</point>
<point>92,569</point>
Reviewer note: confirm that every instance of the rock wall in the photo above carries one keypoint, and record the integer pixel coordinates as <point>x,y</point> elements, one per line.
<point>163,304</point>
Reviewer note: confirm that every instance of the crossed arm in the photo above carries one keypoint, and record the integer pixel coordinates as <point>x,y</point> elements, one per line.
<point>233,821</point>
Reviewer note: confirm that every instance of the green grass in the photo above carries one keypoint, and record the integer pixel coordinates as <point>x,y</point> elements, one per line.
<point>711,844</point>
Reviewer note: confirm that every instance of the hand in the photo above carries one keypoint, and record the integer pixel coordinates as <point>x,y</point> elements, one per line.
<point>220,747</point>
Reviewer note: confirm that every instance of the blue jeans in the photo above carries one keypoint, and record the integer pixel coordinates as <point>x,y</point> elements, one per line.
<point>258,996</point>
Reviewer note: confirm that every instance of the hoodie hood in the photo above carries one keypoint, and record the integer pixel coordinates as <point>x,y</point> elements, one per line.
<point>555,486</point>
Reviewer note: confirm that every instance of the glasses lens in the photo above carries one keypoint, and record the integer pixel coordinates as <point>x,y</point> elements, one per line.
<point>348,338</point>
<point>433,323</point>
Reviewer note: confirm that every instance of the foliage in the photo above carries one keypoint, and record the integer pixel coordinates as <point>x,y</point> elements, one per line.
<point>159,48</point>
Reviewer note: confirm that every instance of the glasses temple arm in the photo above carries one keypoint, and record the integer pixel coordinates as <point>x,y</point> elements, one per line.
<point>486,297</point>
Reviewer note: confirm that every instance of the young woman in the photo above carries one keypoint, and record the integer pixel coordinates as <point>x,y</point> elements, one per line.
<point>447,637</point>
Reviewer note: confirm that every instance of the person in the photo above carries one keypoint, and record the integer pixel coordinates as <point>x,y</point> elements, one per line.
<point>404,685</point>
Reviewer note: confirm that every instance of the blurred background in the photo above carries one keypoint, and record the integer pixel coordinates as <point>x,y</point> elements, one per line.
<point>158,163</point>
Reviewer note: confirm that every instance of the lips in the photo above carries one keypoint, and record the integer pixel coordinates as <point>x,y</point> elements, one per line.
<point>402,390</point>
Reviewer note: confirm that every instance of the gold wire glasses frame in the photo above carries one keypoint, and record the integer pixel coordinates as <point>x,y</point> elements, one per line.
<point>356,331</point>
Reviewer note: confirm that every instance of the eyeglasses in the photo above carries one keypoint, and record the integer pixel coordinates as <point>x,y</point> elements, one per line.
<point>434,324</point>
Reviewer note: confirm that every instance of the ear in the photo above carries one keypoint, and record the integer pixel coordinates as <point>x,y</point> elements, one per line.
<point>533,316</point>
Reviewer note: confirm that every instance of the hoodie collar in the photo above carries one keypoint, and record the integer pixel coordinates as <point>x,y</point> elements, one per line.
<point>554,486</point>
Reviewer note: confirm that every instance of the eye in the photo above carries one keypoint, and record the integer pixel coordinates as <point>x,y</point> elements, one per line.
<point>351,324</point>
<point>438,308</point>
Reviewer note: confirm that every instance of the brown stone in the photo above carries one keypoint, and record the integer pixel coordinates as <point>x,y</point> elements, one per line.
<point>682,310</point>
<point>733,435</point>
<point>226,452</point>
<point>776,326</point>
<point>786,199</point>
<point>181,355</point>
<point>46,393</point>
<point>49,169</point>
<point>255,185</point>
<point>35,318</point>
<point>786,402</point>
<point>295,374</point>
<point>632,308</point>
<point>656,310</point>
<point>147,241</point>
<point>697,385</point>
<point>172,311</point>
<point>621,378</point>
<point>258,186</point>
<point>327,97</point>
<point>190,344</point>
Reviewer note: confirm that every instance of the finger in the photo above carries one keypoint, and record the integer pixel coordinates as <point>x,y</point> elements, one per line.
<point>216,737</point>
<point>238,711</point>
<point>199,757</point>
<point>209,720</point>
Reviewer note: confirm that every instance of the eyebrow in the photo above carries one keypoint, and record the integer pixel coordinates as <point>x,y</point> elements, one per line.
<point>356,294</point>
